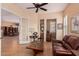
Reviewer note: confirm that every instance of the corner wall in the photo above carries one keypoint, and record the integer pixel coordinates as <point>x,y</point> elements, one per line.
<point>70,11</point>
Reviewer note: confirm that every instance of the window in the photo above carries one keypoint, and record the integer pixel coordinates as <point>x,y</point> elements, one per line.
<point>65,25</point>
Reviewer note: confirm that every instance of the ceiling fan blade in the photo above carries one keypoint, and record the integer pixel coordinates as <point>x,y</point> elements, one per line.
<point>43,4</point>
<point>43,9</point>
<point>36,10</point>
<point>34,4</point>
<point>30,7</point>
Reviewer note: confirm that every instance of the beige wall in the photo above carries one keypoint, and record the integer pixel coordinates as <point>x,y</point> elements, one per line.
<point>0,20</point>
<point>58,16</point>
<point>70,11</point>
<point>5,23</point>
<point>33,23</point>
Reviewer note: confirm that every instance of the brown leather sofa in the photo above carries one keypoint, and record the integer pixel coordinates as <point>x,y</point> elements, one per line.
<point>66,47</point>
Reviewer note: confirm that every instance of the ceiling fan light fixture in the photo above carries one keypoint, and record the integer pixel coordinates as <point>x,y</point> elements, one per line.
<point>37,6</point>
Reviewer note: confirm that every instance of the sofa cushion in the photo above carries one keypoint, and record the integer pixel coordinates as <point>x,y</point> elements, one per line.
<point>65,45</point>
<point>66,37</point>
<point>66,52</point>
<point>73,42</point>
<point>77,47</point>
<point>57,44</point>
<point>59,50</point>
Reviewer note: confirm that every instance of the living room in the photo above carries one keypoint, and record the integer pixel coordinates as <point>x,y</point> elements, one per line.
<point>33,23</point>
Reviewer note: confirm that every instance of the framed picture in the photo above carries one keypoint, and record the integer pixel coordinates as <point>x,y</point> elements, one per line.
<point>60,26</point>
<point>75,24</point>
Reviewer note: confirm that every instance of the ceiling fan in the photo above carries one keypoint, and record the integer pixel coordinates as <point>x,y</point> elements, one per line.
<point>38,6</point>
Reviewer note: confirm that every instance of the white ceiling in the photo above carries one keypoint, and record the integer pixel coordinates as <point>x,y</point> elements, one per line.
<point>51,7</point>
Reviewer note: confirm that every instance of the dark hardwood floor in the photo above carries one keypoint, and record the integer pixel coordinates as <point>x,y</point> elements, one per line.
<point>11,47</point>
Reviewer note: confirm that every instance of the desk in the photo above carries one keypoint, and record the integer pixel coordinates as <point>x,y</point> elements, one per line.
<point>36,47</point>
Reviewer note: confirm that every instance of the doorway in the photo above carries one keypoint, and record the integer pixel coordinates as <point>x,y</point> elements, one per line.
<point>50,30</point>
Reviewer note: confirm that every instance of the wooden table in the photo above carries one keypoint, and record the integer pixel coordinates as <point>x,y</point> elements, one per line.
<point>35,46</point>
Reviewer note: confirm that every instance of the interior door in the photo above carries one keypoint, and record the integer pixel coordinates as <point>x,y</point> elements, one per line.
<point>51,30</point>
